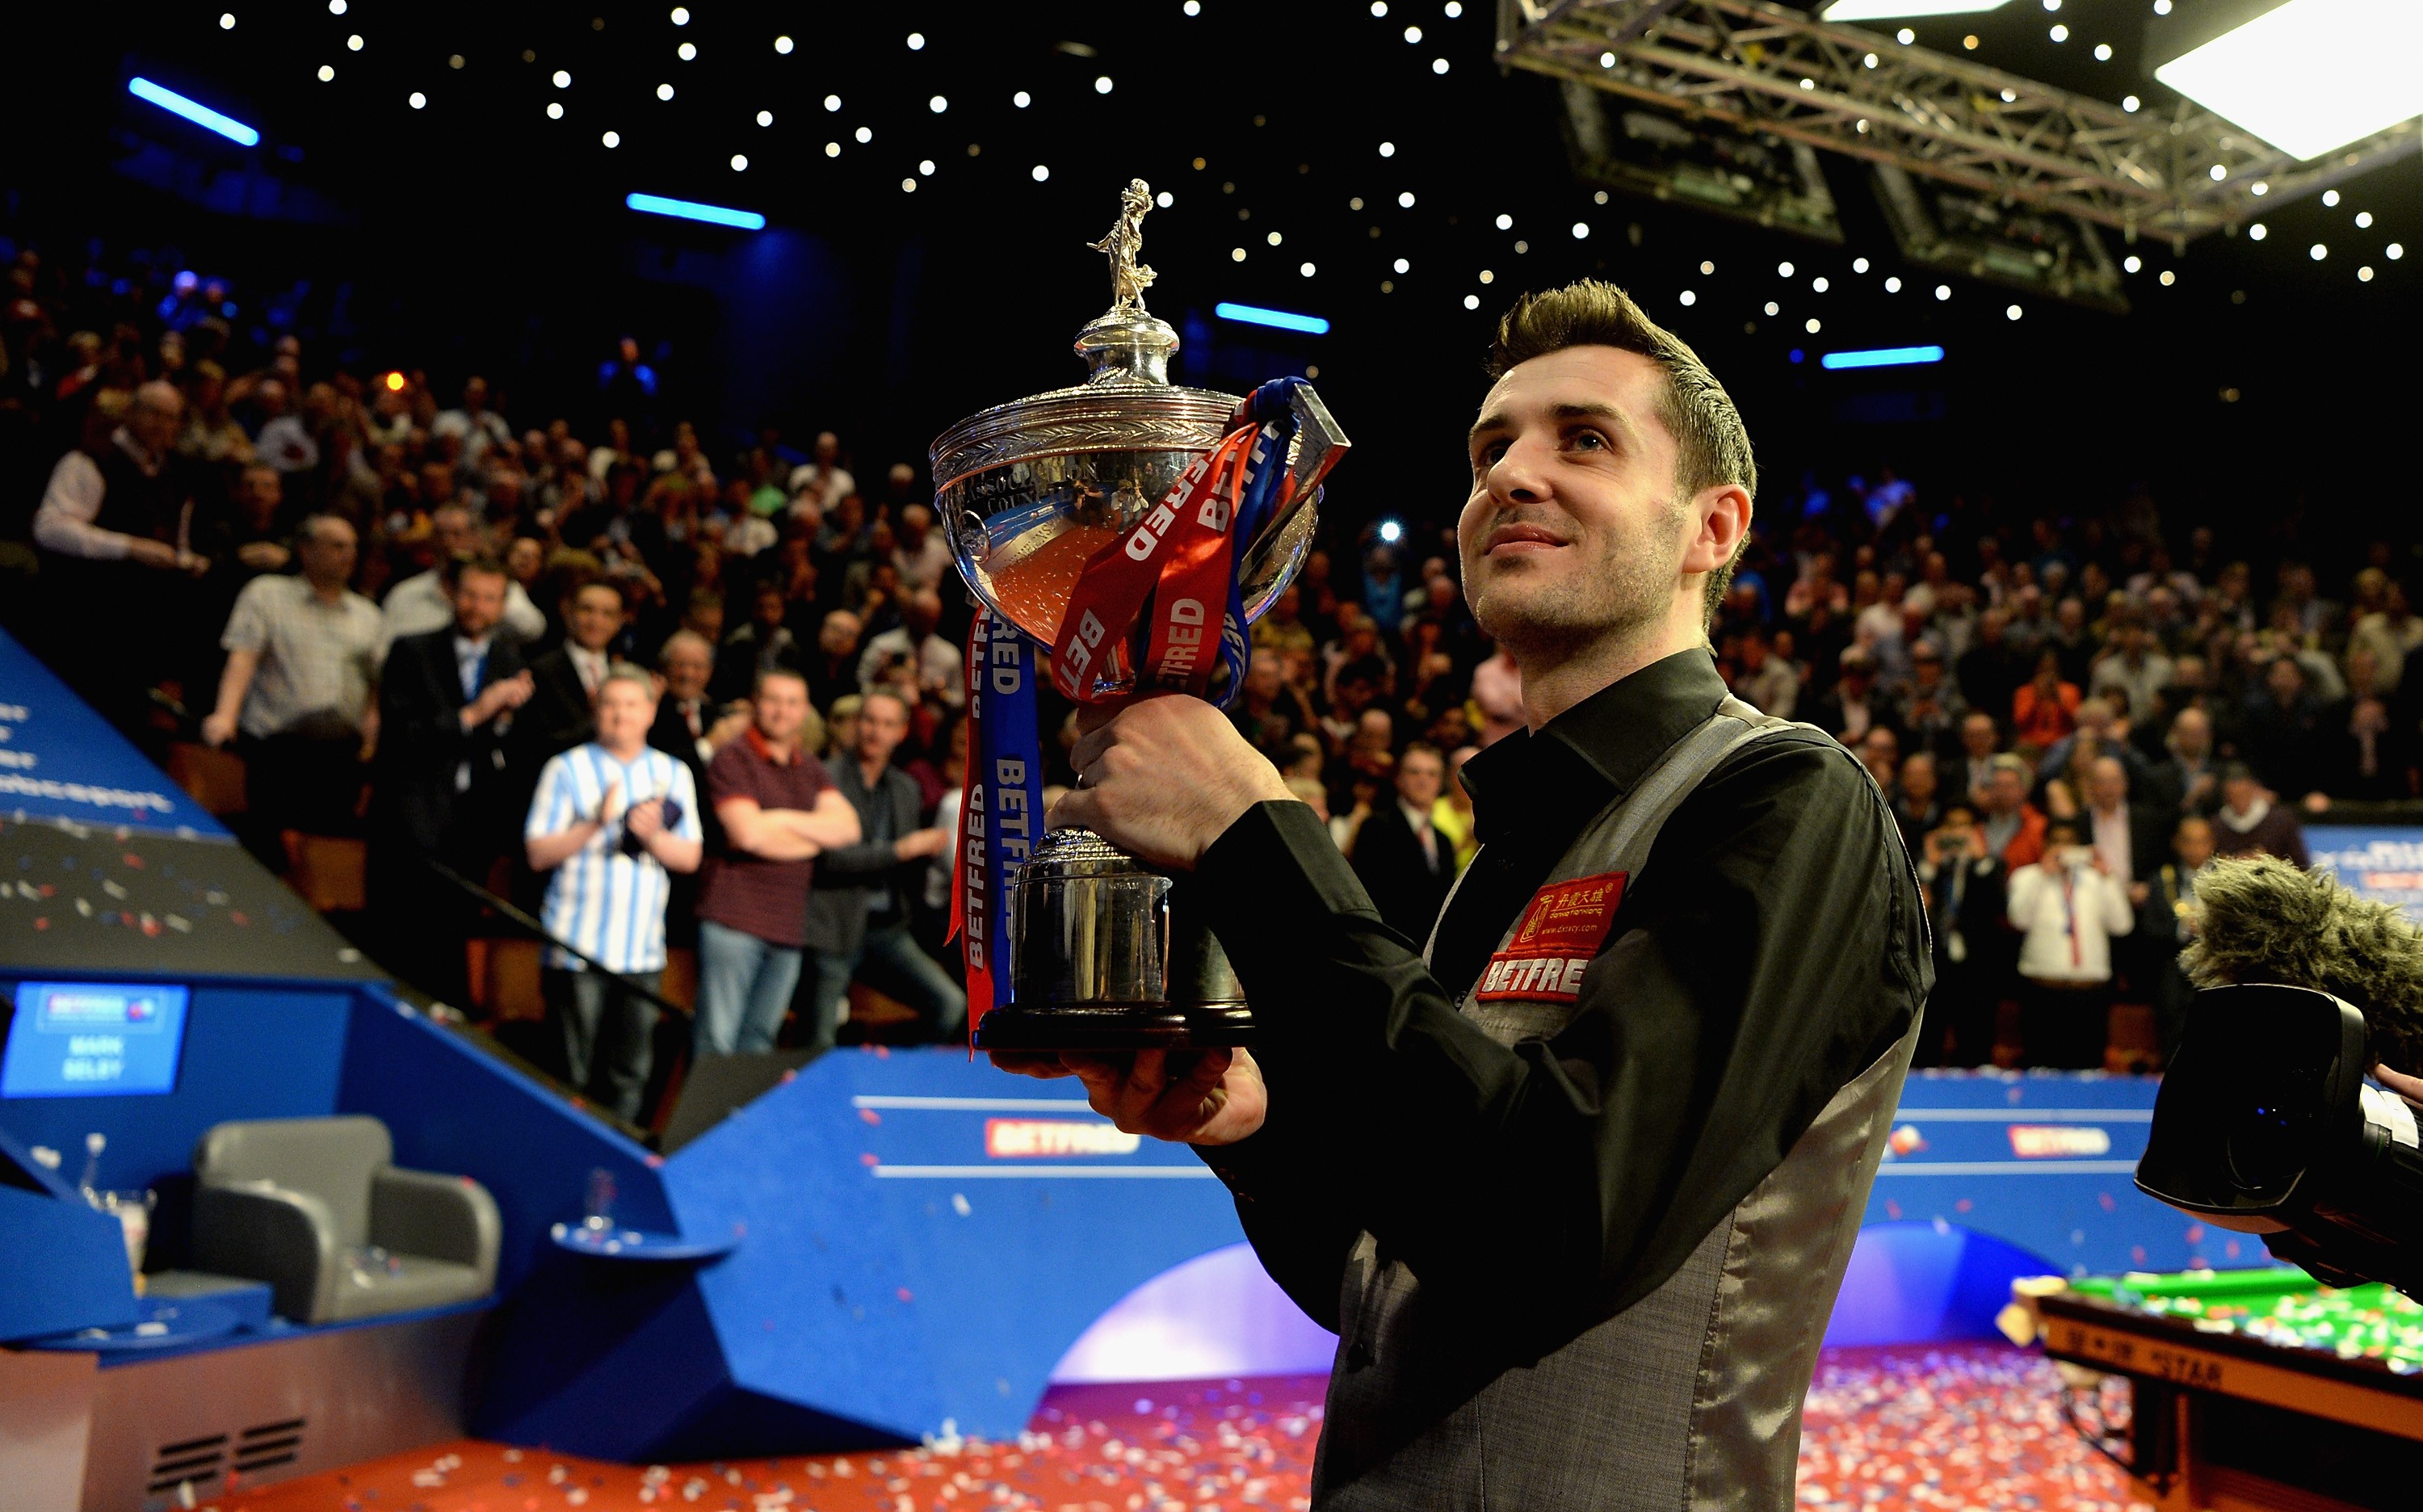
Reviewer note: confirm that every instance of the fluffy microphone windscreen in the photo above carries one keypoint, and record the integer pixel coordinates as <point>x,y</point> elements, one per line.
<point>2262,920</point>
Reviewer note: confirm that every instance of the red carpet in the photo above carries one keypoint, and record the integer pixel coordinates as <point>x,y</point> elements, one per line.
<point>1952,1428</point>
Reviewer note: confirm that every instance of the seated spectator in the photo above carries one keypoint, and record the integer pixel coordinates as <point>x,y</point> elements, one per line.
<point>1986,672</point>
<point>823,483</point>
<point>779,810</point>
<point>858,919</point>
<point>611,820</point>
<point>1928,709</point>
<point>1964,882</point>
<point>1265,713</point>
<point>2046,707</point>
<point>2013,828</point>
<point>2252,820</point>
<point>302,660</point>
<point>920,554</point>
<point>1406,866</point>
<point>1917,799</point>
<point>2283,738</point>
<point>2067,908</point>
<point>764,645</point>
<point>425,601</point>
<point>914,661</point>
<point>2388,627</point>
<point>1979,740</point>
<point>1766,682</point>
<point>2135,671</point>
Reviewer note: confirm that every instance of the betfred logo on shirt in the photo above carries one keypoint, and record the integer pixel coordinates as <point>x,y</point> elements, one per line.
<point>1554,945</point>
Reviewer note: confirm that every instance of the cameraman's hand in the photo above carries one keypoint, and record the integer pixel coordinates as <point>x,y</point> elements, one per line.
<point>1184,1096</point>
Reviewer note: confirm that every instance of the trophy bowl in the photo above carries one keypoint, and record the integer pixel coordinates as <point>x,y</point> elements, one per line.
<point>1031,489</point>
<point>1104,953</point>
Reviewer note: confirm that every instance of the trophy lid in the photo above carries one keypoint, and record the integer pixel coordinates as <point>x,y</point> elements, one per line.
<point>1079,853</point>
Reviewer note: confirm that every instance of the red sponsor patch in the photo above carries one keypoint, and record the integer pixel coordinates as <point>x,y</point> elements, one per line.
<point>1554,945</point>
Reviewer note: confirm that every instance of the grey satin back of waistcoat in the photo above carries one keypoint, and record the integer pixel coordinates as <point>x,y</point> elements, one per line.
<point>1689,1399</point>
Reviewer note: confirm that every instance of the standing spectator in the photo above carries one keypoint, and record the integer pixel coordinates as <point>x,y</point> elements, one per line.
<point>566,682</point>
<point>612,819</point>
<point>2067,908</point>
<point>914,661</point>
<point>764,645</point>
<point>688,727</point>
<point>1853,706</point>
<point>832,666</point>
<point>2046,707</point>
<point>858,917</point>
<point>1498,692</point>
<point>2367,752</point>
<point>2283,736</point>
<point>474,424</point>
<point>1930,708</point>
<point>780,810</point>
<point>2169,921</point>
<point>2128,837</point>
<point>1985,671</point>
<point>1406,866</point>
<point>1918,805</point>
<point>425,601</point>
<point>2013,828</point>
<point>2392,632</point>
<point>442,790</point>
<point>2251,821</point>
<point>302,660</point>
<point>2135,672</point>
<point>920,554</point>
<point>2187,780</point>
<point>1978,738</point>
<point>821,484</point>
<point>116,524</point>
<point>1965,885</point>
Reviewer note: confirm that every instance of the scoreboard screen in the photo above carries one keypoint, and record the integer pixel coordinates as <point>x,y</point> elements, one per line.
<point>85,1039</point>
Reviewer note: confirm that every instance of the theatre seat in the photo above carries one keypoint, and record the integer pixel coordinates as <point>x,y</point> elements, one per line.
<point>317,1208</point>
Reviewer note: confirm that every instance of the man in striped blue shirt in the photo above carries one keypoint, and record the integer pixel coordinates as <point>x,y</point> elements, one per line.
<point>612,819</point>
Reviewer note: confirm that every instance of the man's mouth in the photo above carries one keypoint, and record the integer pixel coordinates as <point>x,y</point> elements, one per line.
<point>1518,539</point>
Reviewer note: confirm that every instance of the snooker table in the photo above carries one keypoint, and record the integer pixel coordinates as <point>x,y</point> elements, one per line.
<point>2247,1388</point>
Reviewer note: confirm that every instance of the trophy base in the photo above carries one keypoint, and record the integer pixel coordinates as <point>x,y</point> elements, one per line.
<point>1116,1027</point>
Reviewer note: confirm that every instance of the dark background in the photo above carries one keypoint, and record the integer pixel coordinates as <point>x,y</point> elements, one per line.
<point>2264,390</point>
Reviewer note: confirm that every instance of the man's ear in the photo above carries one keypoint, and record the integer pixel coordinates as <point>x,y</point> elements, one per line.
<point>1723,512</point>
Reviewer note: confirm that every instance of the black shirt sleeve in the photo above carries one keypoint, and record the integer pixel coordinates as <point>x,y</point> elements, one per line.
<point>1769,950</point>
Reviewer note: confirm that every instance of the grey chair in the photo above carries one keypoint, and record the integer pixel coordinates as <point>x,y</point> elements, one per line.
<point>317,1208</point>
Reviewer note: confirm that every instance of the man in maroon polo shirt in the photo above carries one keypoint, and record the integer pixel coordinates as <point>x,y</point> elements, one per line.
<point>780,810</point>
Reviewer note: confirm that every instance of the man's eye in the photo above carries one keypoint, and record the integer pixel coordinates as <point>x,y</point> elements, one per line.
<point>1590,440</point>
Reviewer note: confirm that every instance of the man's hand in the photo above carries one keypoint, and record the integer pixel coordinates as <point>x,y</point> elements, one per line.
<point>152,553</point>
<point>262,556</point>
<point>217,728</point>
<point>919,845</point>
<point>499,698</point>
<point>1184,1096</point>
<point>1164,777</point>
<point>647,821</point>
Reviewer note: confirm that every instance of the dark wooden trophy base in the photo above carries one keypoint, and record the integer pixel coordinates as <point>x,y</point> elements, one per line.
<point>1116,1026</point>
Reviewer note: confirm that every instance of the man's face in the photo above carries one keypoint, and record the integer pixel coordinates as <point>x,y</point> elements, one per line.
<point>2240,793</point>
<point>1977,735</point>
<point>828,448</point>
<point>921,613</point>
<point>596,617</point>
<point>524,558</point>
<point>478,602</point>
<point>327,553</point>
<point>2191,734</point>
<point>781,705</point>
<point>1263,676</point>
<point>624,711</point>
<point>1419,776</point>
<point>475,396</point>
<point>2005,791</point>
<point>1573,529</point>
<point>2193,843</point>
<point>838,635</point>
<point>769,608</point>
<point>454,530</point>
<point>154,418</point>
<point>2107,784</point>
<point>2285,680</point>
<point>259,492</point>
<point>686,669</point>
<point>882,724</point>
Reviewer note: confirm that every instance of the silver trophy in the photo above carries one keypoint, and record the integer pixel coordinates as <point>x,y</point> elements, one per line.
<point>1030,490</point>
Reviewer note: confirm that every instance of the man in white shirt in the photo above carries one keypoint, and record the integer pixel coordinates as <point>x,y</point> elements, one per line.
<point>911,659</point>
<point>612,819</point>
<point>920,554</point>
<point>302,663</point>
<point>285,441</point>
<point>823,483</point>
<point>425,601</point>
<point>478,426</point>
<point>2067,908</point>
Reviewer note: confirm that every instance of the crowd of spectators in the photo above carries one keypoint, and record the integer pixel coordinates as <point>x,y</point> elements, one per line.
<point>676,693</point>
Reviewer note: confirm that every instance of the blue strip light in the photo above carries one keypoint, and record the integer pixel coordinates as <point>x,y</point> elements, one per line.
<point>656,204</point>
<point>1883,357</point>
<point>1285,320</point>
<point>200,115</point>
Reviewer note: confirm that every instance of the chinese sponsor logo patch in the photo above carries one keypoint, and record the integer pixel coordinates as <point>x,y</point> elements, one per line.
<point>1555,943</point>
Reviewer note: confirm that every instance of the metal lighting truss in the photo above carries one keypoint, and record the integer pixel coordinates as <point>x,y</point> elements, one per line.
<point>1766,68</point>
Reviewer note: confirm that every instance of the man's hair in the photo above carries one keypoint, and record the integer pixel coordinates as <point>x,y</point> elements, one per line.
<point>1712,446</point>
<point>458,568</point>
<point>677,639</point>
<point>632,673</point>
<point>757,687</point>
<point>1423,748</point>
<point>888,696</point>
<point>312,524</point>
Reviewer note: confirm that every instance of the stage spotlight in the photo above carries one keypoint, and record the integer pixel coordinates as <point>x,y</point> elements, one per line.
<point>2312,74</point>
<point>200,114</point>
<point>394,382</point>
<point>1392,530</point>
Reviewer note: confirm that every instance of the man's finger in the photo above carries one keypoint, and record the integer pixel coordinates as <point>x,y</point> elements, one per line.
<point>1092,743</point>
<point>1079,808</point>
<point>1042,1064</point>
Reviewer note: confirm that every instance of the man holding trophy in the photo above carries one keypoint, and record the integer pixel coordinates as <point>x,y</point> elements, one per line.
<point>1576,1183</point>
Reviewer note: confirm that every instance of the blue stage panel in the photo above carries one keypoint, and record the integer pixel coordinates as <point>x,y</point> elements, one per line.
<point>58,759</point>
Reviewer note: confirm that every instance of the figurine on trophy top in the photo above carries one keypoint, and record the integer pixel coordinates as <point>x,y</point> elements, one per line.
<point>1128,343</point>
